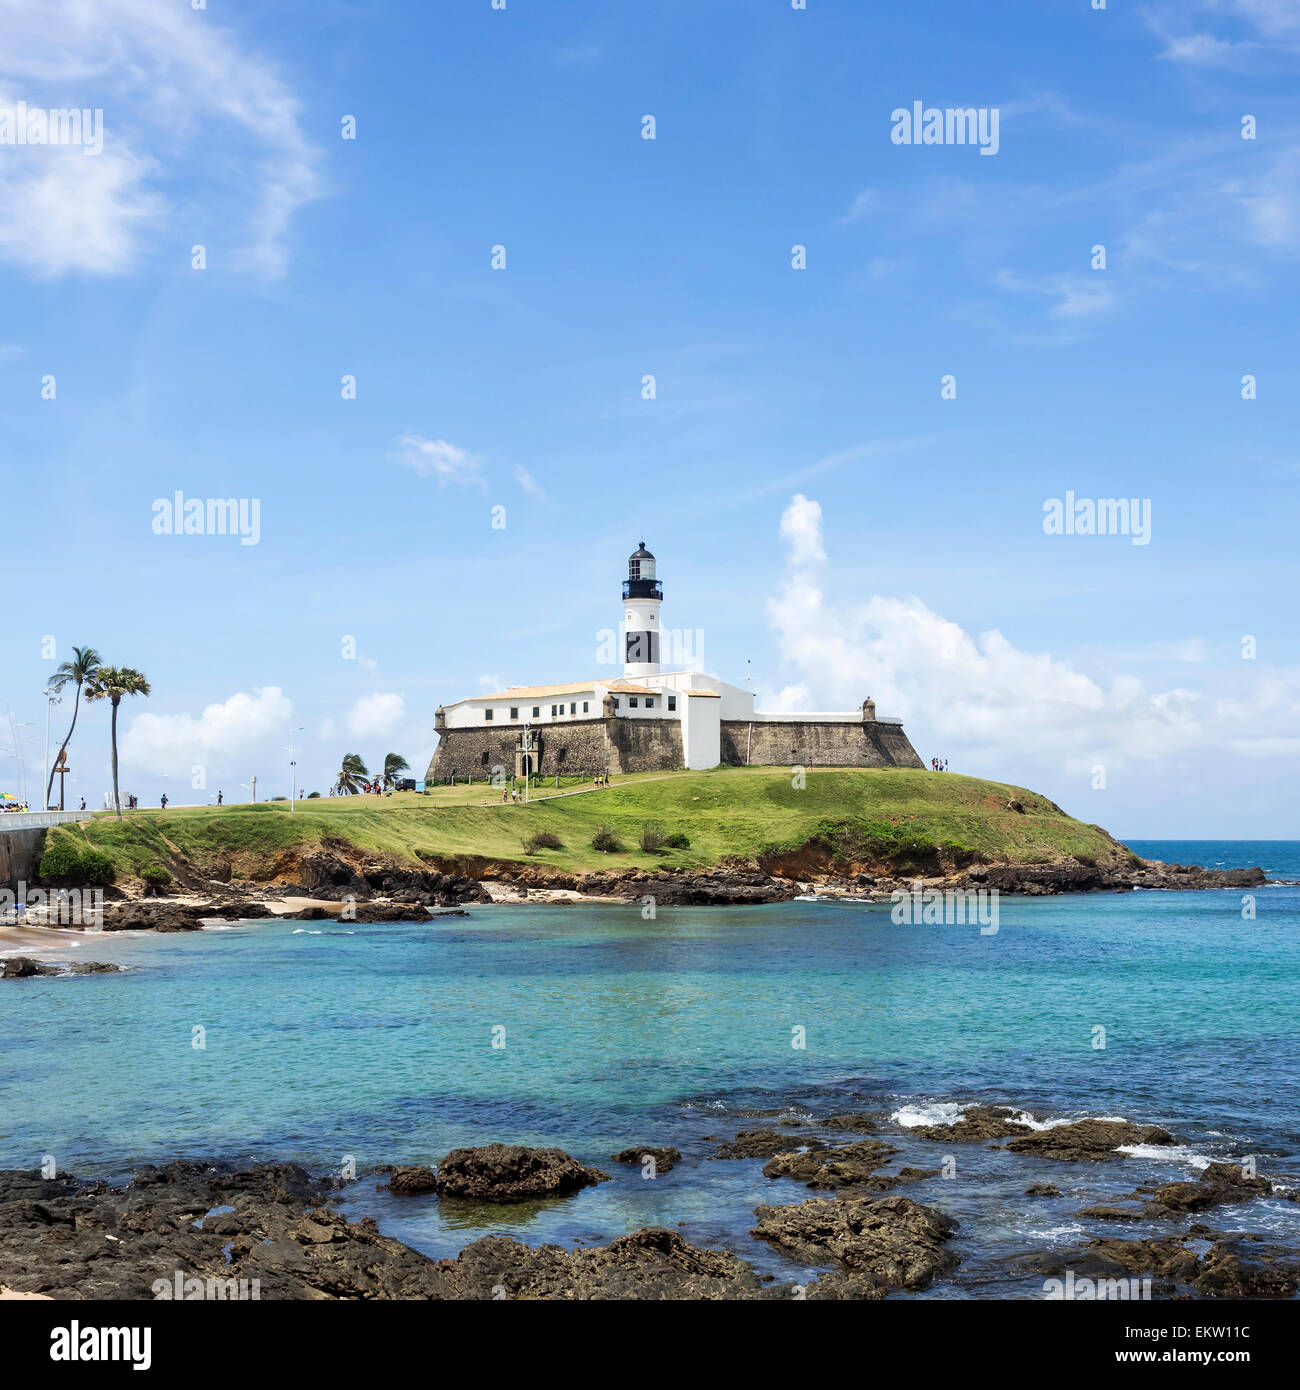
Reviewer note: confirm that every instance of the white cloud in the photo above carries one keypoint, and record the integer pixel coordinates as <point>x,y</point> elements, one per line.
<point>863,204</point>
<point>526,481</point>
<point>185,104</point>
<point>801,525</point>
<point>990,700</point>
<point>435,458</point>
<point>170,744</point>
<point>1076,296</point>
<point>375,716</point>
<point>489,684</point>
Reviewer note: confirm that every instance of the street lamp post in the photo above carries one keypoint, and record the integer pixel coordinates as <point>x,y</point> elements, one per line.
<point>51,699</point>
<point>293,769</point>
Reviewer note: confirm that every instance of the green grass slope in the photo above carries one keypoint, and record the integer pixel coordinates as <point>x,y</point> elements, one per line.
<point>903,818</point>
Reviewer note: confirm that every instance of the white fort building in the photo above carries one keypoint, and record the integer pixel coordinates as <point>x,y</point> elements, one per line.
<point>647,719</point>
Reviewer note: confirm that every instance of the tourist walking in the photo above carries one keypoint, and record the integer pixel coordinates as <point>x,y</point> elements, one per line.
<point>163,803</point>
<point>218,798</point>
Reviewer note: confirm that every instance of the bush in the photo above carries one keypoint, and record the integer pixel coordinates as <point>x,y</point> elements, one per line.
<point>676,841</point>
<point>542,839</point>
<point>60,861</point>
<point>652,837</point>
<point>313,796</point>
<point>97,869</point>
<point>156,875</point>
<point>606,841</point>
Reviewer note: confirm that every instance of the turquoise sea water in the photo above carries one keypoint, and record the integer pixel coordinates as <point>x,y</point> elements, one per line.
<point>325,1040</point>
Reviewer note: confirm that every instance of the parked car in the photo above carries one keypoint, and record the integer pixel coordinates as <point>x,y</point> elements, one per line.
<point>404,784</point>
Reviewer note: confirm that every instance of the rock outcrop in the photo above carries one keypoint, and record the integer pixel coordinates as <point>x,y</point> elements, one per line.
<point>1093,1140</point>
<point>890,1243</point>
<point>512,1173</point>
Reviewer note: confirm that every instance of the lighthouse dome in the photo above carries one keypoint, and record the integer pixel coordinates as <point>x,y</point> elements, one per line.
<point>641,581</point>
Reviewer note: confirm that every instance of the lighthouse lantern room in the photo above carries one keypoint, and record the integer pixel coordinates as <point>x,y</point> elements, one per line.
<point>642,595</point>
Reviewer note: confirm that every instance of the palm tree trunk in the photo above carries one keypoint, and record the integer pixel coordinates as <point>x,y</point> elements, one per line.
<point>117,800</point>
<point>76,706</point>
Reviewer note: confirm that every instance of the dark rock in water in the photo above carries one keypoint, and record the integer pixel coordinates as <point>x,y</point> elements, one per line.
<point>1105,1213</point>
<point>977,1122</point>
<point>1042,1189</point>
<point>762,1143</point>
<point>512,1173</point>
<point>1095,1140</point>
<point>1233,1267</point>
<point>53,1238</point>
<point>1219,1183</point>
<point>883,1244</point>
<point>650,1264</point>
<point>237,911</point>
<point>385,912</point>
<point>664,1159</point>
<point>23,968</point>
<point>859,1124</point>
<point>1238,1269</point>
<point>411,1181</point>
<point>840,1166</point>
<point>154,916</point>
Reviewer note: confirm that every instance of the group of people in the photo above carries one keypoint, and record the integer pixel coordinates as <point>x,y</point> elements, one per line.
<point>938,764</point>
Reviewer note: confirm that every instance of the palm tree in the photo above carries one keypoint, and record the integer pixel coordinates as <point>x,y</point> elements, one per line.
<point>111,683</point>
<point>394,766</point>
<point>352,775</point>
<point>82,668</point>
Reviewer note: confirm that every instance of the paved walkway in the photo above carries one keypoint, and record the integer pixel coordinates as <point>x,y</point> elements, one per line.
<point>580,791</point>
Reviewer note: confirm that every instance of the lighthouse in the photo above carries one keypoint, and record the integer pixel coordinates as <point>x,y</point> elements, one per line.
<point>642,595</point>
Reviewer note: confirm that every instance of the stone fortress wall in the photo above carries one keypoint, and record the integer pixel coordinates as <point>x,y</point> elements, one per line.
<point>584,747</point>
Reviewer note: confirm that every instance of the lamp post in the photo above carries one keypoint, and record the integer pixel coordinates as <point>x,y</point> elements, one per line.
<point>528,756</point>
<point>51,699</point>
<point>293,769</point>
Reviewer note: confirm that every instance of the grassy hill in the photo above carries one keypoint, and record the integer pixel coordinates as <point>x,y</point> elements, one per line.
<point>893,818</point>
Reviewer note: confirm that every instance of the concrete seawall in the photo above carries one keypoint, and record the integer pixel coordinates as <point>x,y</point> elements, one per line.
<point>22,838</point>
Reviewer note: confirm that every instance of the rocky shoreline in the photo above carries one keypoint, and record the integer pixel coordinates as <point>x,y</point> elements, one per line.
<point>327,885</point>
<point>193,1229</point>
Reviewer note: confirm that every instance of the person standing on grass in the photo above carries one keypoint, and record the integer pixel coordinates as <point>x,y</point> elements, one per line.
<point>164,801</point>
<point>218,798</point>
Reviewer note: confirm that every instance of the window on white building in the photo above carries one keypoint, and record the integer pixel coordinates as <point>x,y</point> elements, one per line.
<point>631,702</point>
<point>672,702</point>
<point>649,704</point>
<point>487,714</point>
<point>514,711</point>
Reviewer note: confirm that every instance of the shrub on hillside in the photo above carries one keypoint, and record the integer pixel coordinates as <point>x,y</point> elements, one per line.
<point>652,837</point>
<point>542,839</point>
<point>676,841</point>
<point>97,869</point>
<point>61,862</point>
<point>606,841</point>
<point>155,876</point>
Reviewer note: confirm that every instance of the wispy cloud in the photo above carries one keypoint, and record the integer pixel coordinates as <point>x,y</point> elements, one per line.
<point>435,458</point>
<point>187,109</point>
<point>526,481</point>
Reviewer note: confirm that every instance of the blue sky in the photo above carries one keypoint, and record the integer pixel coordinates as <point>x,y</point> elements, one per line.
<point>817,507</point>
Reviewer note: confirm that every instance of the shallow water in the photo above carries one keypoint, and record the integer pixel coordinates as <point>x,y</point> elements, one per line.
<point>328,1041</point>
